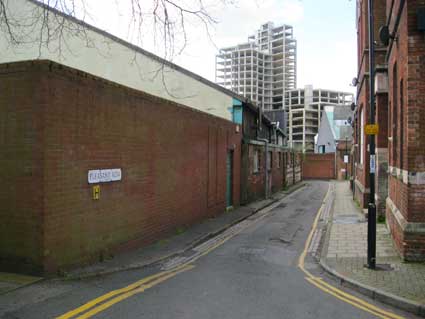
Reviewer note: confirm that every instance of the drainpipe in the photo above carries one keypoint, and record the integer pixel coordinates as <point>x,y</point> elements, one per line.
<point>266,144</point>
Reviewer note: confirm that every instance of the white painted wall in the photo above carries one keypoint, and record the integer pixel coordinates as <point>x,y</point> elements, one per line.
<point>101,56</point>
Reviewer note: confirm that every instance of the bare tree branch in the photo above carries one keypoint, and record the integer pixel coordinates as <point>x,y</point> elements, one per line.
<point>49,26</point>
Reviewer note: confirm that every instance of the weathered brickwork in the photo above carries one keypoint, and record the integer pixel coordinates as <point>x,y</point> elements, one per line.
<point>318,166</point>
<point>21,169</point>
<point>343,148</point>
<point>57,123</point>
<point>283,171</point>
<point>361,170</point>
<point>406,69</point>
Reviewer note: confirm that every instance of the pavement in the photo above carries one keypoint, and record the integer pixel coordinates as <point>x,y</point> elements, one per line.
<point>344,254</point>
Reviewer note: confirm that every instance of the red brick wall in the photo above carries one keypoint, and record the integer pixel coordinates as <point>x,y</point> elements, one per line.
<point>381,118</point>
<point>252,183</point>
<point>406,65</point>
<point>277,171</point>
<point>63,123</point>
<point>318,166</point>
<point>414,119</point>
<point>361,173</point>
<point>21,170</point>
<point>343,148</point>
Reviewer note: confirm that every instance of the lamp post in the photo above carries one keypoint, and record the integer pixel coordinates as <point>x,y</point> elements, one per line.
<point>371,220</point>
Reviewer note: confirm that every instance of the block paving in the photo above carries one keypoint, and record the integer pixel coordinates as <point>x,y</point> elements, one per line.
<point>346,252</point>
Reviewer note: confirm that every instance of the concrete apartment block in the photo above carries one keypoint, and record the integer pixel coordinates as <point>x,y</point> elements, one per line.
<point>261,69</point>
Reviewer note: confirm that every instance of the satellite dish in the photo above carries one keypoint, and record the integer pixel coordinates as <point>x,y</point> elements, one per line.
<point>353,106</point>
<point>354,81</point>
<point>384,35</point>
<point>350,120</point>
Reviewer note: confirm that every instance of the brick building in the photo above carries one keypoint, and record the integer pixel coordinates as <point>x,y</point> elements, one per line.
<point>178,163</point>
<point>400,112</point>
<point>57,124</point>
<point>265,158</point>
<point>360,149</point>
<point>406,109</point>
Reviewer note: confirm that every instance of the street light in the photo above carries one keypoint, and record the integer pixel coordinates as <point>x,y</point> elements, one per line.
<point>371,219</point>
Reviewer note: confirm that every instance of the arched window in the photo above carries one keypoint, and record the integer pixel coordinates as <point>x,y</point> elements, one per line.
<point>394,116</point>
<point>361,146</point>
<point>401,142</point>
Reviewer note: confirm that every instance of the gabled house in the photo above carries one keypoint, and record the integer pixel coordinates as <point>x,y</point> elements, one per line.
<point>334,127</point>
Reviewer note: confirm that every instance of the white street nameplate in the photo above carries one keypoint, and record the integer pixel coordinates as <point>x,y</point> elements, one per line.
<point>104,175</point>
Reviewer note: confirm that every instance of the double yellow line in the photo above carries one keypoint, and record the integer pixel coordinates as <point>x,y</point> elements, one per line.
<point>108,300</point>
<point>338,293</point>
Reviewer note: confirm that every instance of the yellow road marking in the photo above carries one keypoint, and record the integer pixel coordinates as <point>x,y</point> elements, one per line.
<point>126,295</point>
<point>128,291</point>
<point>344,299</point>
<point>357,300</point>
<point>113,293</point>
<point>145,283</point>
<point>326,287</point>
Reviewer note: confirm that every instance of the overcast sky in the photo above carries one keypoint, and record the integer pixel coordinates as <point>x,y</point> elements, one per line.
<point>325,31</point>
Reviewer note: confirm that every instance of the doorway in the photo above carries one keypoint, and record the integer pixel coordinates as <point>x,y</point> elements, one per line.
<point>229,179</point>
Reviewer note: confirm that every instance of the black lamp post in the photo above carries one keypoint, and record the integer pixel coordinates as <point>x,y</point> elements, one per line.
<point>371,220</point>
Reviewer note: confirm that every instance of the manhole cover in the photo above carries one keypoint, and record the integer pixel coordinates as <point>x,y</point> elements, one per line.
<point>347,219</point>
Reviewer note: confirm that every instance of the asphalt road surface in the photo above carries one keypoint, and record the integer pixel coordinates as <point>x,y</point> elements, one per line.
<point>250,271</point>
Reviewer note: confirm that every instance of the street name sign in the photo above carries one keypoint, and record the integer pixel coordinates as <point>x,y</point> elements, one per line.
<point>104,175</point>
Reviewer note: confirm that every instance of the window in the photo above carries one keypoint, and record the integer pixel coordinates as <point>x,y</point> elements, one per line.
<point>394,116</point>
<point>322,149</point>
<point>361,137</point>
<point>401,125</point>
<point>256,163</point>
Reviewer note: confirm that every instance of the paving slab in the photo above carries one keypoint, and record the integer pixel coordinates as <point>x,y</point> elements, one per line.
<point>344,254</point>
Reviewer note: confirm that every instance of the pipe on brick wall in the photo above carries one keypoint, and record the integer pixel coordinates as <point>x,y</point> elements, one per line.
<point>396,25</point>
<point>266,175</point>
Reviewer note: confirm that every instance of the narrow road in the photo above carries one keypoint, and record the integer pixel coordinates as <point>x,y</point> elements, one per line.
<point>250,271</point>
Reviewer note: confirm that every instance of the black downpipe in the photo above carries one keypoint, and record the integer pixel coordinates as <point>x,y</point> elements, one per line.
<point>371,220</point>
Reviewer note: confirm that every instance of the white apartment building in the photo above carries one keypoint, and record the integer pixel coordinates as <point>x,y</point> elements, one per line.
<point>304,109</point>
<point>261,69</point>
